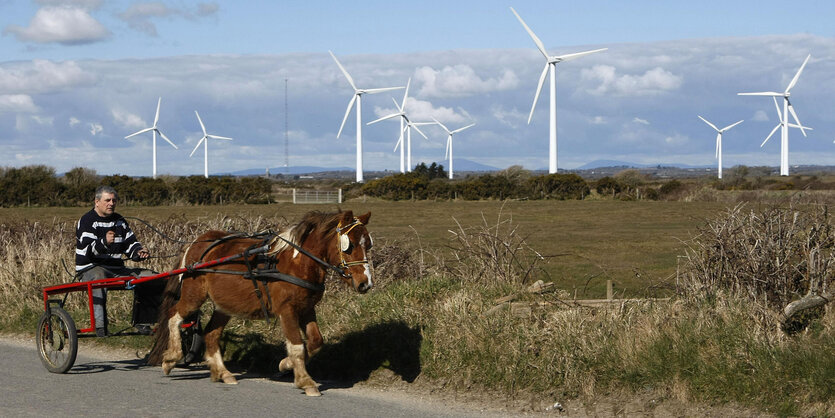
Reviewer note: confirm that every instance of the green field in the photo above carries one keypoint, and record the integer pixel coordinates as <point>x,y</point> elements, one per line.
<point>635,244</point>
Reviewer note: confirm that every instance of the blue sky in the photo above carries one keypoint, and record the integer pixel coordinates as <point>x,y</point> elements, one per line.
<point>77,76</point>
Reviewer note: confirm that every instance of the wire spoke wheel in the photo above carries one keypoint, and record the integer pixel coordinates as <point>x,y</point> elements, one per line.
<point>57,340</point>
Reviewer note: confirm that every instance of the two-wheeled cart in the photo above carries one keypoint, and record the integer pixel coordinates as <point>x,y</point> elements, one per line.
<point>57,335</point>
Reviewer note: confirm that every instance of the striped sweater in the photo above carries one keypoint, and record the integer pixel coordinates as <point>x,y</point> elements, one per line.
<point>91,246</point>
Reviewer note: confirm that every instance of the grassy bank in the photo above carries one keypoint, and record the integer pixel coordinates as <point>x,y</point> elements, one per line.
<point>433,320</point>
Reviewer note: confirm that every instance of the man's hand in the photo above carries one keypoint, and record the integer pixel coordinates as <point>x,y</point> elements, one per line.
<point>110,237</point>
<point>143,254</point>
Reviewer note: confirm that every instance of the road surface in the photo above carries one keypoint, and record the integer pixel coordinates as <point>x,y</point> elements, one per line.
<point>107,383</point>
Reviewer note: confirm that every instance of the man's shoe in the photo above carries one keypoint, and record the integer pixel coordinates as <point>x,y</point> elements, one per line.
<point>143,329</point>
<point>101,332</point>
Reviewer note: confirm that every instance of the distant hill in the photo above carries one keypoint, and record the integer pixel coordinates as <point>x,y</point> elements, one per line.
<point>461,164</point>
<point>615,163</point>
<point>294,170</point>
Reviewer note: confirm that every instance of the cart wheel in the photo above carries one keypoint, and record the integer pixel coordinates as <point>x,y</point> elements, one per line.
<point>57,340</point>
<point>192,344</point>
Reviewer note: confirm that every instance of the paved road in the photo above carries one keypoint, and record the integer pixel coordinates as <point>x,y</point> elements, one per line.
<point>102,384</point>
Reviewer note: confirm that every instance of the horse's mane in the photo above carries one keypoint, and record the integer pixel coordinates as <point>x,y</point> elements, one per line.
<point>322,224</point>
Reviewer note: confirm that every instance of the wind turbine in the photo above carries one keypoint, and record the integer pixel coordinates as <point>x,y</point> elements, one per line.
<point>449,142</point>
<point>155,131</point>
<point>784,118</point>
<point>551,62</point>
<point>719,140</point>
<point>205,141</point>
<point>357,97</point>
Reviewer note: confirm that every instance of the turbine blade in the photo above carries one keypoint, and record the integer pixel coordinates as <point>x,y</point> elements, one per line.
<point>705,121</point>
<point>140,132</point>
<point>779,112</point>
<point>772,133</point>
<point>461,129</point>
<point>156,116</point>
<point>406,94</point>
<point>384,118</point>
<point>798,126</point>
<point>533,35</point>
<point>165,138</point>
<point>397,105</point>
<point>794,115</point>
<point>219,137</point>
<point>348,76</point>
<point>197,146</point>
<point>538,90</point>
<point>442,125</point>
<point>731,126</point>
<point>380,90</point>
<point>569,57</point>
<point>796,76</point>
<point>347,111</point>
<point>419,131</point>
<point>718,143</point>
<point>448,141</point>
<point>201,122</point>
<point>762,93</point>
<point>399,141</point>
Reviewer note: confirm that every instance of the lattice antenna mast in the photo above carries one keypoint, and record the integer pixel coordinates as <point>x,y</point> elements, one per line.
<point>286,136</point>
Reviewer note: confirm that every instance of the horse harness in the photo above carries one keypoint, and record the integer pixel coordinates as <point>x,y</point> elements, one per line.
<point>263,267</point>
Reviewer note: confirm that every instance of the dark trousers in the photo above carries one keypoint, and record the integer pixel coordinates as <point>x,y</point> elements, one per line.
<point>147,296</point>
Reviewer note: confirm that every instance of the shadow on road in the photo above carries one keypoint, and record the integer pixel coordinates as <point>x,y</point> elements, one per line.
<point>340,364</point>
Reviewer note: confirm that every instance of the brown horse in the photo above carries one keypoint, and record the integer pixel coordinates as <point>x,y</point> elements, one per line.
<point>338,239</point>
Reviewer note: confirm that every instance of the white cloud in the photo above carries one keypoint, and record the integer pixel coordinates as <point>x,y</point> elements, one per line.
<point>139,16</point>
<point>74,121</point>
<point>676,139</point>
<point>95,128</point>
<point>17,103</point>
<point>651,82</point>
<point>599,120</point>
<point>424,111</point>
<point>127,119</point>
<point>42,120</point>
<point>760,116</point>
<point>68,25</point>
<point>641,121</point>
<point>460,81</point>
<point>42,76</point>
<point>511,118</point>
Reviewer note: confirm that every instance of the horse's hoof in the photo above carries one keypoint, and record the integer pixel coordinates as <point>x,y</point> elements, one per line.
<point>167,366</point>
<point>312,392</point>
<point>229,379</point>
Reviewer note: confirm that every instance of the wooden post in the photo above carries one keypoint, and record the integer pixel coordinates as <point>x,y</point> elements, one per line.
<point>609,290</point>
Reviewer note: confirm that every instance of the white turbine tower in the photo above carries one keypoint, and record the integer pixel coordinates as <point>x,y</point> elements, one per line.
<point>205,141</point>
<point>155,131</point>
<point>551,62</point>
<point>784,118</point>
<point>719,140</point>
<point>449,142</point>
<point>357,97</point>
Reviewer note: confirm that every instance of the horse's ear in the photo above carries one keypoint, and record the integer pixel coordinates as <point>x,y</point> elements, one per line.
<point>347,217</point>
<point>364,218</point>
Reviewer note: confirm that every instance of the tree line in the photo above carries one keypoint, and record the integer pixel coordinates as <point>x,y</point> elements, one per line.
<point>38,185</point>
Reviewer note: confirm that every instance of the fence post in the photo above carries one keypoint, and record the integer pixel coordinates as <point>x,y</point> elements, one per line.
<point>339,199</point>
<point>609,290</point>
<point>294,196</point>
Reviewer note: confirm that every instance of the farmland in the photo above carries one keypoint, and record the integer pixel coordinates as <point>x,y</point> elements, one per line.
<point>634,244</point>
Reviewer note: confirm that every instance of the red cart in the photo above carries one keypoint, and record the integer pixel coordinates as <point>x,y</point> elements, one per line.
<point>57,335</point>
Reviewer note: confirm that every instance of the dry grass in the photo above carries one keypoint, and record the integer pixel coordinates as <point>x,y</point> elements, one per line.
<point>427,320</point>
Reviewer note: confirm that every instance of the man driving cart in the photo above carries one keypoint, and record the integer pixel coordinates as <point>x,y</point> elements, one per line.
<point>103,237</point>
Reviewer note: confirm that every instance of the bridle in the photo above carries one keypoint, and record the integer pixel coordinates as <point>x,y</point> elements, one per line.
<point>344,244</point>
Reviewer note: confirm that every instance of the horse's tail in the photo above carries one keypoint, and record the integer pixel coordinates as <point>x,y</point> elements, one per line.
<point>170,297</point>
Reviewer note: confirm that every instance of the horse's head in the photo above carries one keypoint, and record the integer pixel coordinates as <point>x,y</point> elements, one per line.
<point>352,244</point>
